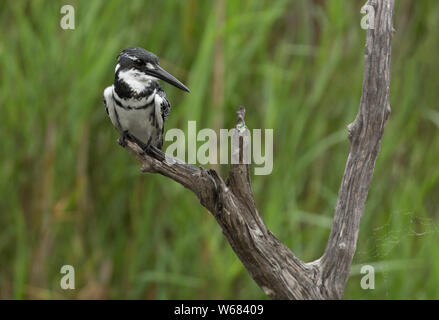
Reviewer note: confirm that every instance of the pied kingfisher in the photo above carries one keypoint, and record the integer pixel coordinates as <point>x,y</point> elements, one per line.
<point>136,103</point>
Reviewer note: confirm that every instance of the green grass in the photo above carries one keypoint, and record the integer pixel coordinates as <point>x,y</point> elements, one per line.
<point>71,195</point>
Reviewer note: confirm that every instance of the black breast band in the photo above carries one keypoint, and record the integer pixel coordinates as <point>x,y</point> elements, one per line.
<point>146,105</point>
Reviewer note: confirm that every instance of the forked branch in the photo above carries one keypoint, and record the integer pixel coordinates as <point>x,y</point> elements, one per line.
<point>272,265</point>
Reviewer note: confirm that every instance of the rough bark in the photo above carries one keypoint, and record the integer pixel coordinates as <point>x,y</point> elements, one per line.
<point>365,135</point>
<point>279,273</point>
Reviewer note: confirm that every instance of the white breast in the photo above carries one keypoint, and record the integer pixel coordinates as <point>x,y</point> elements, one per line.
<point>138,122</point>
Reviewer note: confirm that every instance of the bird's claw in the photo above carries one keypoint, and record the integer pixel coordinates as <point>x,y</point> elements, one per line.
<point>123,139</point>
<point>147,147</point>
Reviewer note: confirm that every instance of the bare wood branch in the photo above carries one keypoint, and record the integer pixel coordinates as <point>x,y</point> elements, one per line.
<point>272,265</point>
<point>365,135</point>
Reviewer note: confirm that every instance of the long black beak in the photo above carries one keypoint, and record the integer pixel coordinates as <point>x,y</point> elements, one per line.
<point>162,74</point>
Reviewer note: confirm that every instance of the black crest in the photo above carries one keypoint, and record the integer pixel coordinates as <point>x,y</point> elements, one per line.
<point>136,54</point>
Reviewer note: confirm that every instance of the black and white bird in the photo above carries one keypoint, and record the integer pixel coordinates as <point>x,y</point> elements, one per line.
<point>136,103</point>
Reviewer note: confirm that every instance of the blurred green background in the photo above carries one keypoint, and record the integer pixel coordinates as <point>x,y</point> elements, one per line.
<point>71,195</point>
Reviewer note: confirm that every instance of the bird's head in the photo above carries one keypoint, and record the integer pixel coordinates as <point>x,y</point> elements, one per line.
<point>136,66</point>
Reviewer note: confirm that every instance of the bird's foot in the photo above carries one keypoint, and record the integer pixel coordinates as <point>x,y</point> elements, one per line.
<point>123,138</point>
<point>147,147</point>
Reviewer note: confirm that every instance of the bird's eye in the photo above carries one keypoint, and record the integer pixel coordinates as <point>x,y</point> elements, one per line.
<point>139,62</point>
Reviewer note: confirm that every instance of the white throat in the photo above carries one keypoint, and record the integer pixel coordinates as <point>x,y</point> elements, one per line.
<point>138,81</point>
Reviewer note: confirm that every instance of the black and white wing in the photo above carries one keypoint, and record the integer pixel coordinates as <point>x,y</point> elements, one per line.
<point>105,104</point>
<point>109,108</point>
<point>163,108</point>
<point>165,104</point>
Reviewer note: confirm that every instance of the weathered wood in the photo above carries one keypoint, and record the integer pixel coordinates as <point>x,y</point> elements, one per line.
<point>365,135</point>
<point>279,273</point>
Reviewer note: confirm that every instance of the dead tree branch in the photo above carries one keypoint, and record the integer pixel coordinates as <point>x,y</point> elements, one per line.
<point>272,265</point>
<point>365,135</point>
